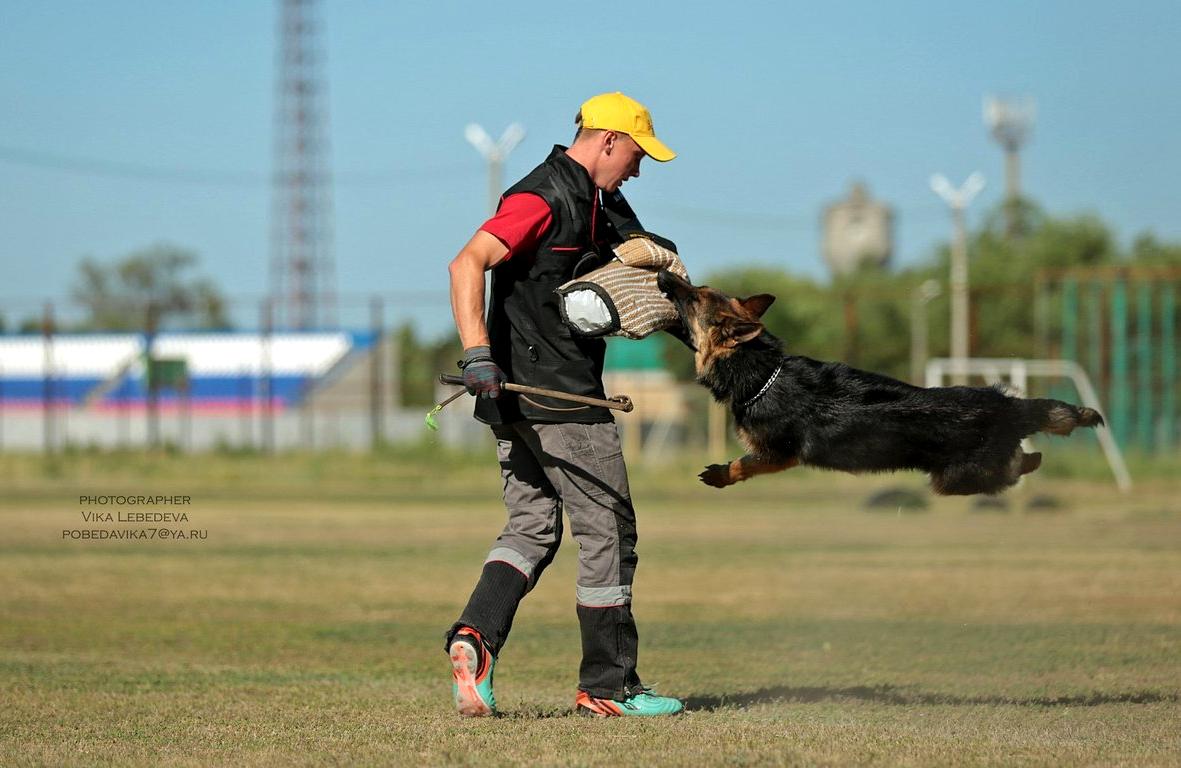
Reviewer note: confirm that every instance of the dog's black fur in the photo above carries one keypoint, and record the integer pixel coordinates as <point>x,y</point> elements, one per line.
<point>838,417</point>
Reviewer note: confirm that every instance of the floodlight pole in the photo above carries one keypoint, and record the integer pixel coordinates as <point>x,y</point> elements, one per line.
<point>495,152</point>
<point>958,200</point>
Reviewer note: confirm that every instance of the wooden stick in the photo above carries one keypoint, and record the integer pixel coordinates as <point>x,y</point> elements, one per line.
<point>617,403</point>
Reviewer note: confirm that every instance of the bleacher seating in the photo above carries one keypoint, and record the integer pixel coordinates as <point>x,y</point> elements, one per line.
<point>228,369</point>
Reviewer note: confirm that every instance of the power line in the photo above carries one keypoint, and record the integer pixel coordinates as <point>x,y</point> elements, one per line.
<point>390,176</point>
<point>87,166</point>
<point>116,169</point>
<point>767,221</point>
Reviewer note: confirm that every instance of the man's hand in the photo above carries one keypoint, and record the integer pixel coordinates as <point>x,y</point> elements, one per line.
<point>481,375</point>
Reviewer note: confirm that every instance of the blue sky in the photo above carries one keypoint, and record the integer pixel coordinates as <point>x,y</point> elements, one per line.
<point>774,108</point>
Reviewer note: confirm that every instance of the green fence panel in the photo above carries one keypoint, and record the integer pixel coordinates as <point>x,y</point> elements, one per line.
<point>1121,400</point>
<point>1168,368</point>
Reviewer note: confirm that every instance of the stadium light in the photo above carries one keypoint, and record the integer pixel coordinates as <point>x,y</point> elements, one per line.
<point>495,153</point>
<point>958,200</point>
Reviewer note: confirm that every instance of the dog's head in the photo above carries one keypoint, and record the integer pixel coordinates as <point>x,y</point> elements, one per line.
<point>716,323</point>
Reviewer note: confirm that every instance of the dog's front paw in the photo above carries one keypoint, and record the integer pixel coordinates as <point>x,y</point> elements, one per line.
<point>717,475</point>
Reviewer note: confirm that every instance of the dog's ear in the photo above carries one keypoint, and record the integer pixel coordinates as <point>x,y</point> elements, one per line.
<point>740,332</point>
<point>757,305</point>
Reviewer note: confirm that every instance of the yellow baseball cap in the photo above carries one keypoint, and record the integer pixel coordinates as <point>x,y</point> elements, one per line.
<point>616,112</point>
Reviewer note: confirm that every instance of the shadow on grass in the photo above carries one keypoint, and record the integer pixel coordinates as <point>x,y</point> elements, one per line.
<point>882,694</point>
<point>888,694</point>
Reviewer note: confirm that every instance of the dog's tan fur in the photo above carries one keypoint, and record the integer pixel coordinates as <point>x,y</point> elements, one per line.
<point>731,322</point>
<point>744,467</point>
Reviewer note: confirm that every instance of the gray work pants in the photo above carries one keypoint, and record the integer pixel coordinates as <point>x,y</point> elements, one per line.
<point>578,468</point>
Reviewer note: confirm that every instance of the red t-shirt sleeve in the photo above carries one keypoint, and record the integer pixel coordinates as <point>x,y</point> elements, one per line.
<point>521,221</point>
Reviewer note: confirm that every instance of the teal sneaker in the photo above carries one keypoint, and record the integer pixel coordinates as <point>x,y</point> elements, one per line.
<point>471,670</point>
<point>644,704</point>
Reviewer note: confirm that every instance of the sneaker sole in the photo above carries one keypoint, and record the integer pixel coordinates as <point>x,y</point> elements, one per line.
<point>584,711</point>
<point>463,669</point>
<point>589,707</point>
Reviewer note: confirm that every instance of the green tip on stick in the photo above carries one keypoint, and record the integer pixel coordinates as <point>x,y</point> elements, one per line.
<point>433,425</point>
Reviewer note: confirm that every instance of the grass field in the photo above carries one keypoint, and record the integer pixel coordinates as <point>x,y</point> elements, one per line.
<point>800,628</point>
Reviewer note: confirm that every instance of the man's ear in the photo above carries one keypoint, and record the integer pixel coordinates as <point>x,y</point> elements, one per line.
<point>758,304</point>
<point>740,332</point>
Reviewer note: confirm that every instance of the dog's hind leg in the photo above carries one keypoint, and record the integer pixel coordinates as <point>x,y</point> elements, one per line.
<point>1030,462</point>
<point>743,468</point>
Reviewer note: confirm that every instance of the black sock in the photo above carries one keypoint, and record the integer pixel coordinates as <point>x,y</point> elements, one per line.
<point>493,604</point>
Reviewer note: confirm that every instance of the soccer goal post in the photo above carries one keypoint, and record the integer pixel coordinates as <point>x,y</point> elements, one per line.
<point>1019,371</point>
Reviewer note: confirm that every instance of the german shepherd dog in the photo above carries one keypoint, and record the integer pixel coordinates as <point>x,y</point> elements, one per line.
<point>793,410</point>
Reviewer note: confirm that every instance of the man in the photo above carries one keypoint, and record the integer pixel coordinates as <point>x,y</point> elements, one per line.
<point>550,227</point>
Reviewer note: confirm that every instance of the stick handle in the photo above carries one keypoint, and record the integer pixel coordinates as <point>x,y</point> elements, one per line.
<point>617,403</point>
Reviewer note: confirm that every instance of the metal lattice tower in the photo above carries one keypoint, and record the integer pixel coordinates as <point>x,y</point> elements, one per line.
<point>302,264</point>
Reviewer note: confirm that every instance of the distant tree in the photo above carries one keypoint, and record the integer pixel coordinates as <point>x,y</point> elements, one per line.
<point>801,313</point>
<point>117,295</point>
<point>1024,213</point>
<point>864,318</point>
<point>1147,251</point>
<point>860,318</point>
<point>421,361</point>
<point>1005,276</point>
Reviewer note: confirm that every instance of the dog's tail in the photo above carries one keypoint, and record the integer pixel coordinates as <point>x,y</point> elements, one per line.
<point>1059,418</point>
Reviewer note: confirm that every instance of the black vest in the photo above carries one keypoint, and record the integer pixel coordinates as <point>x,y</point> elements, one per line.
<point>530,342</point>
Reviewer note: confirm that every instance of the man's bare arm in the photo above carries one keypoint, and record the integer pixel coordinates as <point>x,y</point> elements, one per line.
<point>483,252</point>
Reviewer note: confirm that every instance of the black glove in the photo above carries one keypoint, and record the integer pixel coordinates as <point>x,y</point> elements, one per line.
<point>481,375</point>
